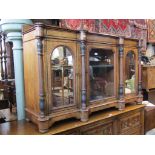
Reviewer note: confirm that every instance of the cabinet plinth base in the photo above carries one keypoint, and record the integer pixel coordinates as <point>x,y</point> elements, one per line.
<point>46,122</point>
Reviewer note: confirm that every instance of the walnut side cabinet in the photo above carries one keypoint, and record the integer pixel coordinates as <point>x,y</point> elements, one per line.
<point>148,80</point>
<point>75,73</point>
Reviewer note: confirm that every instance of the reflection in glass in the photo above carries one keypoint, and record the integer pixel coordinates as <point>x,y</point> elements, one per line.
<point>130,73</point>
<point>101,71</point>
<point>62,74</point>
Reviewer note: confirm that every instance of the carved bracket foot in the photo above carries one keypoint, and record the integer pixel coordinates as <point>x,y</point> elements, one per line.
<point>43,124</point>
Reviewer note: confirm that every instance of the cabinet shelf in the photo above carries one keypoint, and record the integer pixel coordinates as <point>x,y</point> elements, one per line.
<point>60,66</point>
<point>103,66</point>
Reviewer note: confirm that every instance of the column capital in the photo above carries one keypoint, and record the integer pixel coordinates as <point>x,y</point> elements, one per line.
<point>13,25</point>
<point>14,36</point>
<point>13,28</point>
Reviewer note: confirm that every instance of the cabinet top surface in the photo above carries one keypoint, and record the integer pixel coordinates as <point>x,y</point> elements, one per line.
<point>29,28</point>
<point>147,66</point>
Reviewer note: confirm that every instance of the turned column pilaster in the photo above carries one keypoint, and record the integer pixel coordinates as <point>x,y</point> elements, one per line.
<point>84,111</point>
<point>39,37</point>
<point>140,96</point>
<point>121,103</point>
<point>83,50</point>
<point>4,60</point>
<point>1,57</point>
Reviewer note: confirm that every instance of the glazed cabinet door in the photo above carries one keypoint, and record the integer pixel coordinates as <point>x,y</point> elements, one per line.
<point>130,72</point>
<point>102,65</point>
<point>62,75</point>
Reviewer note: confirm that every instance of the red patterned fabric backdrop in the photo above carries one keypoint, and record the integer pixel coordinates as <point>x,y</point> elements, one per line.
<point>117,27</point>
<point>151,31</point>
<point>129,28</point>
<point>77,24</point>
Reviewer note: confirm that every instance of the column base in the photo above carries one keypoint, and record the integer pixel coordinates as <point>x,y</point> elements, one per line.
<point>140,99</point>
<point>43,124</point>
<point>84,115</point>
<point>121,105</point>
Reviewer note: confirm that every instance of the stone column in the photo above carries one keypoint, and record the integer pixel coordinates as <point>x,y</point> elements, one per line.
<point>12,28</point>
